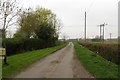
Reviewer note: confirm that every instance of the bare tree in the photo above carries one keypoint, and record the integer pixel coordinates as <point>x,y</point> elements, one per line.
<point>64,37</point>
<point>59,26</point>
<point>8,13</point>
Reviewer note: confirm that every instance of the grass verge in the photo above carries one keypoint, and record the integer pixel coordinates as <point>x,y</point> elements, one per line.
<point>21,61</point>
<point>98,66</point>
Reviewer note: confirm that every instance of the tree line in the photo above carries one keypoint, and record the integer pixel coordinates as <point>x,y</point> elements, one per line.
<point>40,23</point>
<point>37,28</point>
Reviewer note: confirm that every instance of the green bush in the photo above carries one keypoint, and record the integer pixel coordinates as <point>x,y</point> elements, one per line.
<point>14,46</point>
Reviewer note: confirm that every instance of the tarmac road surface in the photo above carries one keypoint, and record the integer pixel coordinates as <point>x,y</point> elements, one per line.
<point>61,64</point>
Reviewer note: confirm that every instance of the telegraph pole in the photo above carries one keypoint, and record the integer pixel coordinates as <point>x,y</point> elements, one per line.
<point>102,25</point>
<point>100,31</point>
<point>104,30</point>
<point>85,26</point>
<point>110,35</point>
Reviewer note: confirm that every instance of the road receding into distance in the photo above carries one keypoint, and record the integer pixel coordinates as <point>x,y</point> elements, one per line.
<point>61,64</point>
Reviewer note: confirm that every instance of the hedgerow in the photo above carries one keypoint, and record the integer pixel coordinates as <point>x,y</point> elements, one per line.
<point>14,46</point>
<point>107,51</point>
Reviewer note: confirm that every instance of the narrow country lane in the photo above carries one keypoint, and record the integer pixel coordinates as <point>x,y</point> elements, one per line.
<point>61,64</point>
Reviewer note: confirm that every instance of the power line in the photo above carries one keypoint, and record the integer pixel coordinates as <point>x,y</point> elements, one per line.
<point>89,25</point>
<point>92,3</point>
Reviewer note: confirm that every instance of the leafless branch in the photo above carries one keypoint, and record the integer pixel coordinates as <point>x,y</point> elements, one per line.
<point>10,20</point>
<point>12,24</point>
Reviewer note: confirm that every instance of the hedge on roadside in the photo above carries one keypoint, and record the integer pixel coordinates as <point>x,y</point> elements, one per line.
<point>14,46</point>
<point>108,51</point>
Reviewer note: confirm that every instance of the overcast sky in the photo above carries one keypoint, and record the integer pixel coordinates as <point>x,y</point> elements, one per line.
<point>71,13</point>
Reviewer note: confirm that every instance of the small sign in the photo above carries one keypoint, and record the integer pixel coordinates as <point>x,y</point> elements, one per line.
<point>2,51</point>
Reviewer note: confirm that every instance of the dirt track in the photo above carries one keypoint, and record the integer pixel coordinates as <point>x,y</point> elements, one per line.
<point>61,64</point>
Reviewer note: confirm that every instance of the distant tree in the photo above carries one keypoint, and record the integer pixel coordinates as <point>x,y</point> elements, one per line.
<point>97,38</point>
<point>64,37</point>
<point>8,11</point>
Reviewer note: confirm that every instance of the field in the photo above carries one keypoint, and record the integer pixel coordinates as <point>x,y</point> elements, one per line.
<point>95,64</point>
<point>20,61</point>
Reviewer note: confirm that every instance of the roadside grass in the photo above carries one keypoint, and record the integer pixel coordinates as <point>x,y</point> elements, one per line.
<point>21,61</point>
<point>95,64</point>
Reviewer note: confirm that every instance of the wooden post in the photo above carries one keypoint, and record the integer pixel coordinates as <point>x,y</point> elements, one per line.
<point>3,55</point>
<point>85,26</point>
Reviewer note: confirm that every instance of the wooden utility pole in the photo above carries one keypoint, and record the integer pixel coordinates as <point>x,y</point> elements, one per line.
<point>100,31</point>
<point>102,25</point>
<point>85,26</point>
<point>110,35</point>
<point>104,31</point>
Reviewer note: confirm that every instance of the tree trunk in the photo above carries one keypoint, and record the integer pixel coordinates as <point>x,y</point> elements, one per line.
<point>4,26</point>
<point>4,34</point>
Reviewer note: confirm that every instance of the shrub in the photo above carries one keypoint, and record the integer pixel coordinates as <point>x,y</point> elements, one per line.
<point>14,46</point>
<point>107,51</point>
